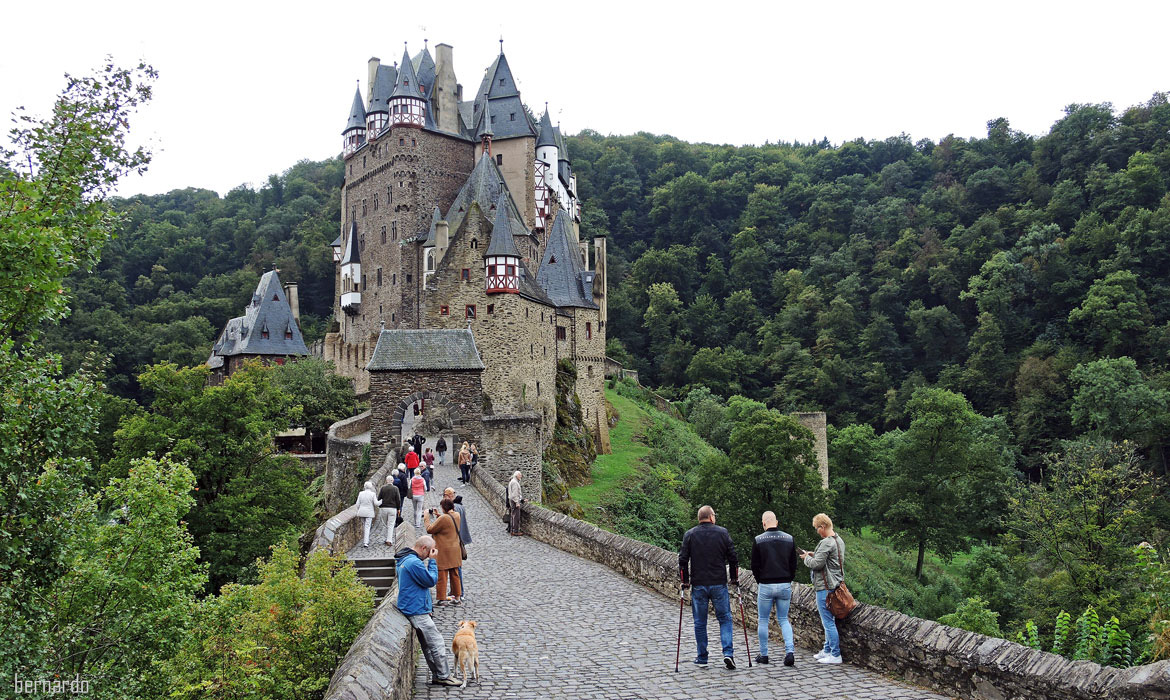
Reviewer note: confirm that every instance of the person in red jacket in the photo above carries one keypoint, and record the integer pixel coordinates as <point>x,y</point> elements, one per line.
<point>411,461</point>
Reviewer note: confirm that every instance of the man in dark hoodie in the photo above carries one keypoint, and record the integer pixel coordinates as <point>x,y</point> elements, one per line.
<point>706,556</point>
<point>418,572</point>
<point>773,565</point>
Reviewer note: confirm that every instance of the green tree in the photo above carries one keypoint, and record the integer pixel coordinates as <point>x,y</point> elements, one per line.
<point>324,397</point>
<point>247,497</point>
<point>1113,401</point>
<point>972,615</point>
<point>861,460</point>
<point>770,466</point>
<point>1114,315</point>
<point>926,501</point>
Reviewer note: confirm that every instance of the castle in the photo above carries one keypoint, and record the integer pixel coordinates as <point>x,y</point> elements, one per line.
<point>463,214</point>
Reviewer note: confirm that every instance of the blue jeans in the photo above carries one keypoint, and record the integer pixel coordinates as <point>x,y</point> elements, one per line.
<point>832,642</point>
<point>717,596</point>
<point>781,595</point>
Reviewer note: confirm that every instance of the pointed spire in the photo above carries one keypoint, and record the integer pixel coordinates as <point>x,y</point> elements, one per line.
<point>352,246</point>
<point>546,131</point>
<point>407,85</point>
<point>485,124</point>
<point>357,112</point>
<point>502,242</point>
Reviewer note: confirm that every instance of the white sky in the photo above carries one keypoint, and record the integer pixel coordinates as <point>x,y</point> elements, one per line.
<point>246,88</point>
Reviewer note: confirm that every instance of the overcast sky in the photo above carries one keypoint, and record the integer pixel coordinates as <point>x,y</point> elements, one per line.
<point>246,88</point>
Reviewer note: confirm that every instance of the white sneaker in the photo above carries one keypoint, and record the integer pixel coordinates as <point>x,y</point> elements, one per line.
<point>820,654</point>
<point>830,660</point>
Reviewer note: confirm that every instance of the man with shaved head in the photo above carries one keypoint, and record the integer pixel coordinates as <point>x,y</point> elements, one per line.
<point>703,562</point>
<point>418,572</point>
<point>773,565</point>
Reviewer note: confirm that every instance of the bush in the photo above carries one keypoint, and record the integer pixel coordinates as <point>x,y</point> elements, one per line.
<point>973,616</point>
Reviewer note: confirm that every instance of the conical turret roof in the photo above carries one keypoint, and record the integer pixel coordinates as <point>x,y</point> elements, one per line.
<point>407,83</point>
<point>561,274</point>
<point>353,253</point>
<point>503,240</point>
<point>357,112</point>
<point>547,138</point>
<point>424,70</point>
<point>485,126</point>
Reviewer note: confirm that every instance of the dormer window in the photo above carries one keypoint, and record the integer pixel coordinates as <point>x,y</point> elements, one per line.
<point>264,333</point>
<point>288,334</point>
<point>501,81</point>
<point>552,260</point>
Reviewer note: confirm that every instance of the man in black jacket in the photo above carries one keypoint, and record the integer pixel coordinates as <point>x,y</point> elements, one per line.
<point>391,502</point>
<point>773,565</point>
<point>703,563</point>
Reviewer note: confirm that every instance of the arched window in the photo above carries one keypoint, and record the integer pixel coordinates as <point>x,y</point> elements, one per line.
<point>474,243</point>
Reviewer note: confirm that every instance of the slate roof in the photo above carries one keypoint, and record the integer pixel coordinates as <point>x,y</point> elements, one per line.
<point>353,253</point>
<point>483,186</point>
<point>407,83</point>
<point>436,217</point>
<point>357,112</point>
<point>429,349</point>
<point>546,132</point>
<point>501,101</point>
<point>384,79</point>
<point>563,280</point>
<point>269,311</point>
<point>503,240</point>
<point>424,70</point>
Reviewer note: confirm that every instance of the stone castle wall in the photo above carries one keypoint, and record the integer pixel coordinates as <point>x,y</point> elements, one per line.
<point>512,443</point>
<point>818,424</point>
<point>342,454</point>
<point>946,659</point>
<point>458,392</point>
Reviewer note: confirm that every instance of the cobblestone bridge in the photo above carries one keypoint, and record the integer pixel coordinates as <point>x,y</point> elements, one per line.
<point>552,625</point>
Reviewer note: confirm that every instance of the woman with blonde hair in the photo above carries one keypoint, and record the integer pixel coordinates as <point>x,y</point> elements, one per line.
<point>367,508</point>
<point>826,564</point>
<point>464,464</point>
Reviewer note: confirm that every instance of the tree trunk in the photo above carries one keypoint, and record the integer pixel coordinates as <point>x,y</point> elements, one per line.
<point>921,559</point>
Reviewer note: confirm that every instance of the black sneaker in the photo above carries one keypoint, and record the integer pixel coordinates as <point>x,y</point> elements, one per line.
<point>445,681</point>
<point>700,664</point>
<point>761,659</point>
<point>729,663</point>
<point>789,659</point>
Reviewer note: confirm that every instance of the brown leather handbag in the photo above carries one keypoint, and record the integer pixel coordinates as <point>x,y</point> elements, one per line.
<point>839,601</point>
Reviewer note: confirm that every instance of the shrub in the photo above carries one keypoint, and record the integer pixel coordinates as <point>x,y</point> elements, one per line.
<point>974,616</point>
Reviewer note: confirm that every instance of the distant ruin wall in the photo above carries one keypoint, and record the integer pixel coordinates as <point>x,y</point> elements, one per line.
<point>342,455</point>
<point>817,423</point>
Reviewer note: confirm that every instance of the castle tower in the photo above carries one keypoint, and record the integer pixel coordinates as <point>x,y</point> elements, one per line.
<point>351,273</point>
<point>354,134</point>
<point>407,105</point>
<point>502,259</point>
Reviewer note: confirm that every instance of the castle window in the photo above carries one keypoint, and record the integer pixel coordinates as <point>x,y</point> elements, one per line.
<point>383,231</point>
<point>469,312</point>
<point>538,388</point>
<point>363,207</point>
<point>474,243</point>
<point>375,202</point>
<point>532,350</point>
<point>512,117</point>
<point>588,331</point>
<point>444,311</point>
<point>491,308</point>
<point>393,318</point>
<point>501,81</point>
<point>511,270</point>
<point>493,119</point>
<point>465,274</point>
<point>353,212</point>
<point>394,279</point>
<point>409,278</point>
<point>413,142</point>
<point>393,230</point>
<point>288,334</point>
<point>364,282</point>
<point>545,350</point>
<point>561,333</point>
<point>264,334</point>
<point>401,141</point>
<point>380,281</point>
<point>552,260</point>
<point>276,297</point>
<point>362,242</point>
<point>499,159</point>
<point>363,161</point>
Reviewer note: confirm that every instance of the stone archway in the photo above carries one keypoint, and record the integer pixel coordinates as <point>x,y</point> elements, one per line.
<point>453,400</point>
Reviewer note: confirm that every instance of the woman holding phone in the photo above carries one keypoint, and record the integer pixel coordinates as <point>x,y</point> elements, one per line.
<point>825,565</point>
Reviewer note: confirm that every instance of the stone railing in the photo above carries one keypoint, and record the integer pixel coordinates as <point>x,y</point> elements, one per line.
<point>947,659</point>
<point>341,532</point>
<point>342,456</point>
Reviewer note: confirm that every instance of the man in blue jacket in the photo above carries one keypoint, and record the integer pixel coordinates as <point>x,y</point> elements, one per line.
<point>703,563</point>
<point>418,572</point>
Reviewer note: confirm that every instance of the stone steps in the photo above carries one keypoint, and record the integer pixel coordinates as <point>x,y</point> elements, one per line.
<point>377,574</point>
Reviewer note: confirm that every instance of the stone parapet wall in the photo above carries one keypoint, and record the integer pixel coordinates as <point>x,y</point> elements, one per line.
<point>342,455</point>
<point>512,443</point>
<point>380,663</point>
<point>946,659</point>
<point>316,462</point>
<point>341,532</point>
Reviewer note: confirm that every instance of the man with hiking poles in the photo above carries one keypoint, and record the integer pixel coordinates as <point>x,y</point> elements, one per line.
<point>706,557</point>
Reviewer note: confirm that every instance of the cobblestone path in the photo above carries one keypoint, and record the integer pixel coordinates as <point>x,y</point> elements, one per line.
<point>552,625</point>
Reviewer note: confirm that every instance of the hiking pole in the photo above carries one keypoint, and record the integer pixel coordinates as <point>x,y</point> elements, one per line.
<point>743,623</point>
<point>681,599</point>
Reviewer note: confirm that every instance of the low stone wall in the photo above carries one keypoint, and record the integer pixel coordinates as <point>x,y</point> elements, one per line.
<point>342,456</point>
<point>946,659</point>
<point>380,663</point>
<point>316,462</point>
<point>341,532</point>
<point>512,443</point>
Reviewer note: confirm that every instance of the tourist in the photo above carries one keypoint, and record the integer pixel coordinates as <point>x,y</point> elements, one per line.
<point>706,556</point>
<point>418,488</point>
<point>411,461</point>
<point>464,464</point>
<point>464,529</point>
<point>773,565</point>
<point>416,443</point>
<point>390,502</point>
<point>445,530</point>
<point>429,467</point>
<point>417,572</point>
<point>367,503</point>
<point>441,448</point>
<point>402,481</point>
<point>474,449</point>
<point>826,566</point>
<point>515,498</point>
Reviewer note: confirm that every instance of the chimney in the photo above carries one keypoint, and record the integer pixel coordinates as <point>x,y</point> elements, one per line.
<point>442,231</point>
<point>447,93</point>
<point>294,302</point>
<point>600,283</point>
<point>373,64</point>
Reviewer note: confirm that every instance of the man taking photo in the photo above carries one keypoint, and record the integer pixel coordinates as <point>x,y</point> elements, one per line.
<point>418,572</point>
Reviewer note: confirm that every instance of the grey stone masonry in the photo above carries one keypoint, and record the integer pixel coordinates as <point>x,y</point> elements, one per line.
<point>512,443</point>
<point>343,452</point>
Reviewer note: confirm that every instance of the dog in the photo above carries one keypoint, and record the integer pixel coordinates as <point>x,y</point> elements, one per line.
<point>466,650</point>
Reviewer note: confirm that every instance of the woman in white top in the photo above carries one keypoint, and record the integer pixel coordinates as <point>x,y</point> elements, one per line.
<point>367,507</point>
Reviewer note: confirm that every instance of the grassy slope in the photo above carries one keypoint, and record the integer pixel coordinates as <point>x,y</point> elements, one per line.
<point>627,452</point>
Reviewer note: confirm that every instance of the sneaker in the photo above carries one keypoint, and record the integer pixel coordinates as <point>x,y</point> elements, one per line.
<point>820,654</point>
<point>445,681</point>
<point>700,664</point>
<point>456,602</point>
<point>830,660</point>
<point>729,663</point>
<point>789,659</point>
<point>761,659</point>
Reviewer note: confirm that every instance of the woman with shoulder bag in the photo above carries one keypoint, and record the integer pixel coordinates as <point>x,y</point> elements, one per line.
<point>827,566</point>
<point>445,529</point>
